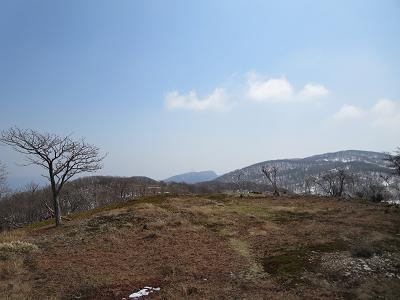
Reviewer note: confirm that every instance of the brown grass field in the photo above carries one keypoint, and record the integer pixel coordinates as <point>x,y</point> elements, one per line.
<point>210,247</point>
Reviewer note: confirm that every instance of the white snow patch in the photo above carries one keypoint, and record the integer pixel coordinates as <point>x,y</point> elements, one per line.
<point>394,201</point>
<point>143,292</point>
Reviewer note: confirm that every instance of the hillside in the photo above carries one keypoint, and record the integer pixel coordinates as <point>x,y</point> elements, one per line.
<point>85,193</point>
<point>292,173</point>
<point>192,177</point>
<point>369,180</point>
<point>209,247</point>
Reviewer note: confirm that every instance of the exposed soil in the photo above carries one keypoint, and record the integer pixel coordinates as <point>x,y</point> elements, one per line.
<point>212,247</point>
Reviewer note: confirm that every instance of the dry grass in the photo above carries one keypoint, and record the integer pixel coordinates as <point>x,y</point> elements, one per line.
<point>8,236</point>
<point>208,247</point>
<point>15,277</point>
<point>17,247</point>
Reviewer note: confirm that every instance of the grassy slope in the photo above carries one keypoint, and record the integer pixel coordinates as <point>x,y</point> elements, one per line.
<point>215,247</point>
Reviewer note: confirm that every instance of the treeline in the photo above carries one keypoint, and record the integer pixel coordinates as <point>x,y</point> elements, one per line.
<point>376,187</point>
<point>34,203</point>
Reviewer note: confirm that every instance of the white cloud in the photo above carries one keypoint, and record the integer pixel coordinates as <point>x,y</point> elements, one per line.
<point>256,88</point>
<point>273,90</point>
<point>218,100</point>
<point>349,112</point>
<point>311,90</point>
<point>384,113</point>
<point>280,90</point>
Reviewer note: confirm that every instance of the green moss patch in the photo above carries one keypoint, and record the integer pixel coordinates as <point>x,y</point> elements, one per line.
<point>291,264</point>
<point>287,265</point>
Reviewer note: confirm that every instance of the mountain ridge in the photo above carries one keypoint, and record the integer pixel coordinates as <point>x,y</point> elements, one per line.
<point>193,177</point>
<point>293,172</point>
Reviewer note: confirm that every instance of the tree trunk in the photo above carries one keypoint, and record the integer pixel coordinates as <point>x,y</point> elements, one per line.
<point>57,209</point>
<point>276,191</point>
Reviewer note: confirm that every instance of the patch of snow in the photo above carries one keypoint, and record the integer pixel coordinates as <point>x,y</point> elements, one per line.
<point>143,292</point>
<point>393,202</point>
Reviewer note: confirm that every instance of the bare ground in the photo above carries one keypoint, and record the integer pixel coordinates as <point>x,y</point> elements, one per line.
<point>212,247</point>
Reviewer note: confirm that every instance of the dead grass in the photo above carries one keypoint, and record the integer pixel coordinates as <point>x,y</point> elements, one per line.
<point>15,277</point>
<point>207,247</point>
<point>13,235</point>
<point>17,247</point>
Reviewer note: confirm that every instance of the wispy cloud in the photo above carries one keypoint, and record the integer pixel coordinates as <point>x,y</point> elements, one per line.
<point>384,113</point>
<point>281,90</point>
<point>218,100</point>
<point>312,90</point>
<point>349,112</point>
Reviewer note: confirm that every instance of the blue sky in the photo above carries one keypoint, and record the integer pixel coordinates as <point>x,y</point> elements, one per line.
<point>166,87</point>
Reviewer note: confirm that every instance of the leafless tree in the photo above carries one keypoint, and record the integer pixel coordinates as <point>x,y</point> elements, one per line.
<point>31,187</point>
<point>271,174</point>
<point>334,182</point>
<point>394,161</point>
<point>392,184</point>
<point>61,157</point>
<point>3,179</point>
<point>309,183</point>
<point>372,189</point>
<point>238,182</point>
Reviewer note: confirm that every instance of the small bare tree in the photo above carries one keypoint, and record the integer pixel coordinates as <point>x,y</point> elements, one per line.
<point>271,174</point>
<point>334,182</point>
<point>309,184</point>
<point>372,188</point>
<point>31,187</point>
<point>238,182</point>
<point>61,157</point>
<point>394,161</point>
<point>3,179</point>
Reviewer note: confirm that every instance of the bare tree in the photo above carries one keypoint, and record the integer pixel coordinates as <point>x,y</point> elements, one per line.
<point>61,157</point>
<point>31,187</point>
<point>271,174</point>
<point>334,182</point>
<point>372,189</point>
<point>394,161</point>
<point>3,179</point>
<point>393,181</point>
<point>309,184</point>
<point>238,182</point>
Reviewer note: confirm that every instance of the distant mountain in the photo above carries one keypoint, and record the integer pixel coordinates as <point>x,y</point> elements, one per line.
<point>193,177</point>
<point>293,172</point>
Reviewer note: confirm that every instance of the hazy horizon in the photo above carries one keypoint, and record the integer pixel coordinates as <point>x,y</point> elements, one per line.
<point>172,87</point>
<point>18,182</point>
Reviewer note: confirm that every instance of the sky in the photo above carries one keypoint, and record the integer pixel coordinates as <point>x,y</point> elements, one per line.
<point>166,87</point>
